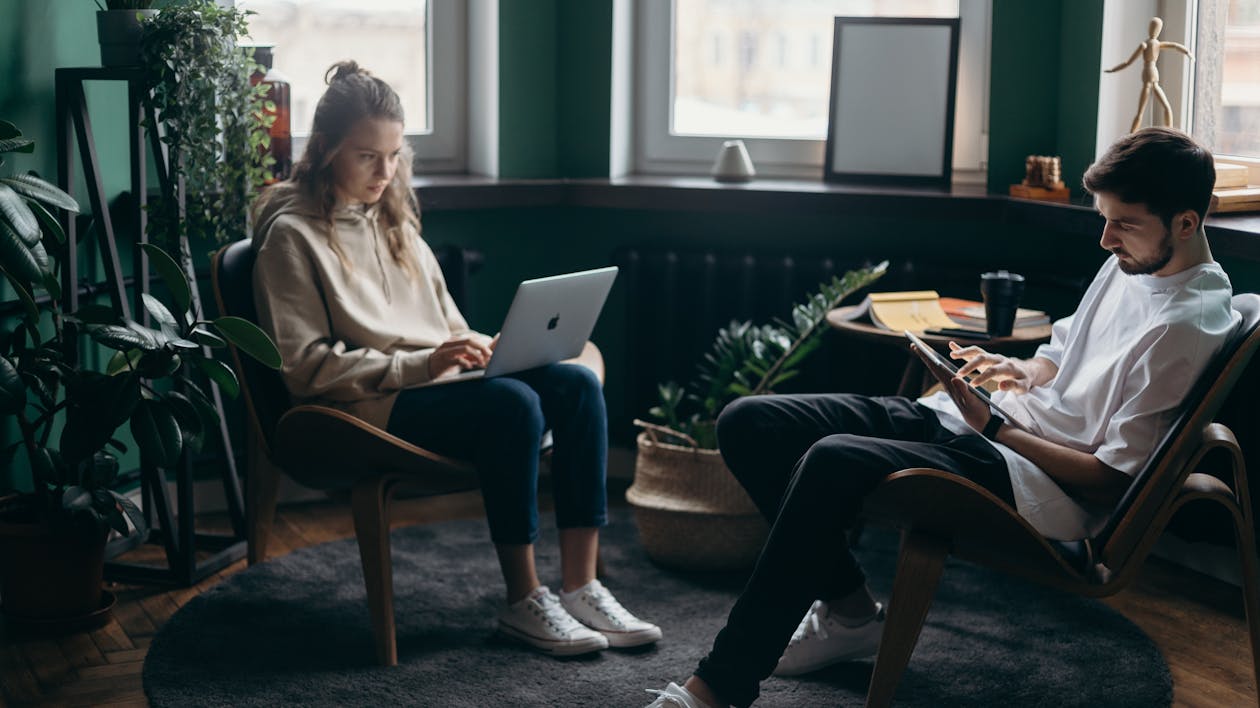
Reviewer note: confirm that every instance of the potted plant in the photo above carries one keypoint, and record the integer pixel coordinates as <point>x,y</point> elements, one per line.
<point>691,512</point>
<point>118,28</point>
<point>53,527</point>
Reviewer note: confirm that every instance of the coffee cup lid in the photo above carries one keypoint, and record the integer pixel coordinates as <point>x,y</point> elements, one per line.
<point>1002,275</point>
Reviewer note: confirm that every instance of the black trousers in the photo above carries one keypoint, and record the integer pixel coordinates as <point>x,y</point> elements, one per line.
<point>808,462</point>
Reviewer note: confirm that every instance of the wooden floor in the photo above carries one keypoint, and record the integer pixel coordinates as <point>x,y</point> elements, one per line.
<point>1197,622</point>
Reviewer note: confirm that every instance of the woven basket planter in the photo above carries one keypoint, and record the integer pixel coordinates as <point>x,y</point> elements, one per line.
<point>691,512</point>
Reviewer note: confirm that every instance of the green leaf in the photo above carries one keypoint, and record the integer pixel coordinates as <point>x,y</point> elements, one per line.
<point>12,390</point>
<point>16,257</point>
<point>157,433</point>
<point>190,423</point>
<point>171,274</point>
<point>123,361</point>
<point>41,191</point>
<point>250,339</point>
<point>121,338</point>
<point>17,145</point>
<point>132,511</point>
<point>221,374</point>
<point>52,286</point>
<point>8,130</point>
<point>205,409</point>
<point>24,295</point>
<point>18,215</point>
<point>159,364</point>
<point>48,221</point>
<point>157,337</point>
<point>158,311</point>
<point>76,498</point>
<point>98,405</point>
<point>208,338</point>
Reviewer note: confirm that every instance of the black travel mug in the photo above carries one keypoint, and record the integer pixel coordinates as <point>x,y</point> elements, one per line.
<point>1002,291</point>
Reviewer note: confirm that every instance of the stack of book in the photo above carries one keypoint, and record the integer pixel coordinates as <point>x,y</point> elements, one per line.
<point>970,314</point>
<point>919,310</point>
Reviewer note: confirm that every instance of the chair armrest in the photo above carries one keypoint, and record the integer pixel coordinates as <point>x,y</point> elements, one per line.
<point>977,524</point>
<point>591,358</point>
<point>326,448</point>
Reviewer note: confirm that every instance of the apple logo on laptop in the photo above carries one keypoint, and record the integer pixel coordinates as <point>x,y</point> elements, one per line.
<point>551,323</point>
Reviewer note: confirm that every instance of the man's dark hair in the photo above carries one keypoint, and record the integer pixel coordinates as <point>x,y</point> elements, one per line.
<point>1162,168</point>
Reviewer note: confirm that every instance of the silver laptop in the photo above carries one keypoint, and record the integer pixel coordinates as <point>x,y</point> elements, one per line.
<point>550,320</point>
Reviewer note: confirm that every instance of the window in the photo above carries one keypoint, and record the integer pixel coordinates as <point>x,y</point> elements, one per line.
<point>415,45</point>
<point>773,92</point>
<point>1227,77</point>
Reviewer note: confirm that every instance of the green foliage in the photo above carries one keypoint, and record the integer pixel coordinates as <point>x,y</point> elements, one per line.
<point>213,124</point>
<point>41,382</point>
<point>747,360</point>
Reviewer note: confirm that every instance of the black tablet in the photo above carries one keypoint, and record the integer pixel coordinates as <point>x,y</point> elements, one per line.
<point>940,360</point>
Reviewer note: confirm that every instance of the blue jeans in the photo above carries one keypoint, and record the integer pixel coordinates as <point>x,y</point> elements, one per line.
<point>498,425</point>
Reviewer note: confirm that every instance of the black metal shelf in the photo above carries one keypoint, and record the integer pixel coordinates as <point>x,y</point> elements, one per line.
<point>172,522</point>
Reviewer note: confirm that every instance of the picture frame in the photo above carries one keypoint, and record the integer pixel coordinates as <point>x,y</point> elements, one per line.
<point>893,125</point>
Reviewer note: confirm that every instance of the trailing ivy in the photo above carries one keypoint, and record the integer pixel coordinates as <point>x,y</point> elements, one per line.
<point>211,120</point>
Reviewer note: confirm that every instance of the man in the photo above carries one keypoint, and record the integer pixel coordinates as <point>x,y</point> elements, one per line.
<point>1098,398</point>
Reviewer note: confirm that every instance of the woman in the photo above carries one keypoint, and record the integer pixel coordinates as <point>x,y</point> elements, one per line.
<point>360,312</point>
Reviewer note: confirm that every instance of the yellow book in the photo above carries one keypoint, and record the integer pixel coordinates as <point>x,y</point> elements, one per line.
<point>915,310</point>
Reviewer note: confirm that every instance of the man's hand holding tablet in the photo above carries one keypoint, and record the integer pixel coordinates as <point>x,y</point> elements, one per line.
<point>974,403</point>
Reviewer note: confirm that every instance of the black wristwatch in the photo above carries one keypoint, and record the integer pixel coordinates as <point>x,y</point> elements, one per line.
<point>991,428</point>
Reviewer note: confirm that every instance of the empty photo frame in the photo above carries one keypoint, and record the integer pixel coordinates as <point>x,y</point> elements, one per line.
<point>892,101</point>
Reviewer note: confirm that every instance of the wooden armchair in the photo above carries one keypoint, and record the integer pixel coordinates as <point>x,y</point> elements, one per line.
<point>328,449</point>
<point>942,514</point>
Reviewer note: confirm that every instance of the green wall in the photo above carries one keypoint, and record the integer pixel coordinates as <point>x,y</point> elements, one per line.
<point>1043,102</point>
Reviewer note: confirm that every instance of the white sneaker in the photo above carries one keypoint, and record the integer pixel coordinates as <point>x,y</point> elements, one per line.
<point>595,607</point>
<point>821,641</point>
<point>540,621</point>
<point>675,696</point>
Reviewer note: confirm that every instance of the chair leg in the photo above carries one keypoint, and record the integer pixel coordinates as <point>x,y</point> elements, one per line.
<point>260,501</point>
<point>1245,537</point>
<point>370,502</point>
<point>918,571</point>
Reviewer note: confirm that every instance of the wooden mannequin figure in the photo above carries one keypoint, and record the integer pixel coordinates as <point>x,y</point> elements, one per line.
<point>1149,51</point>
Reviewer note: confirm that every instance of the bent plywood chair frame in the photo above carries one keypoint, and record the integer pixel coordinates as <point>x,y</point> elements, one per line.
<point>942,514</point>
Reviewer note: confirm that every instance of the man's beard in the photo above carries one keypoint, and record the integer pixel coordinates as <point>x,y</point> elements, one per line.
<point>1163,258</point>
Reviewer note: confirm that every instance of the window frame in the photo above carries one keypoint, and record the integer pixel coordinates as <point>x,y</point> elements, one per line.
<point>1205,80</point>
<point>657,151</point>
<point>443,148</point>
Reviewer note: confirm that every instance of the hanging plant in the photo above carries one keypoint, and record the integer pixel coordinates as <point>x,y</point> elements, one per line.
<point>212,121</point>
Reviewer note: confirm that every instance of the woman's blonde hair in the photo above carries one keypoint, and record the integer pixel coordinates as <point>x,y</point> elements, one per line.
<point>352,95</point>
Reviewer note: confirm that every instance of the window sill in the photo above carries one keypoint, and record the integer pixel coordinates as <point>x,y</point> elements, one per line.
<point>1230,235</point>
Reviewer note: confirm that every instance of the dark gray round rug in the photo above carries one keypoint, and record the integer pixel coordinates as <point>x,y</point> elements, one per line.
<point>295,631</point>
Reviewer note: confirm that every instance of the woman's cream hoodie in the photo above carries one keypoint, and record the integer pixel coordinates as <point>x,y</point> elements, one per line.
<point>350,338</point>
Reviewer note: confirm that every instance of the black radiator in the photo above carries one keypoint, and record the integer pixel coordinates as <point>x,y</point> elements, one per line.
<point>677,301</point>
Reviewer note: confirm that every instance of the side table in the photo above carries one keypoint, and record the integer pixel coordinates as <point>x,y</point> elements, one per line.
<point>915,378</point>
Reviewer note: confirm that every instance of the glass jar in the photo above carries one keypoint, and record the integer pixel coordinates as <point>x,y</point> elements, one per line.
<point>276,104</point>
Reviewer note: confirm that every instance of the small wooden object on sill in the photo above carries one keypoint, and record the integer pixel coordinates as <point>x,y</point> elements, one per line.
<point>1055,194</point>
<point>1041,180</point>
<point>1230,175</point>
<point>1238,199</point>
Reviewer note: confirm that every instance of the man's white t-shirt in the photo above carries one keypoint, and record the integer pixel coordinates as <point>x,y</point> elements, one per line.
<point>1127,358</point>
